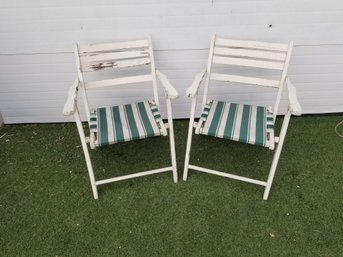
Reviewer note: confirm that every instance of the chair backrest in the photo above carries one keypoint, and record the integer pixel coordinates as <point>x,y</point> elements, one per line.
<point>249,54</point>
<point>116,56</point>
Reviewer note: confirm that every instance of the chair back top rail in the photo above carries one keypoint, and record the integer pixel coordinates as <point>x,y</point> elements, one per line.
<point>84,48</point>
<point>251,44</point>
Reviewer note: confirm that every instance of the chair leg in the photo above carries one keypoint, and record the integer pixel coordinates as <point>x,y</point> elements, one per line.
<point>86,153</point>
<point>173,154</point>
<point>172,140</point>
<point>277,155</point>
<point>188,150</point>
<point>189,139</point>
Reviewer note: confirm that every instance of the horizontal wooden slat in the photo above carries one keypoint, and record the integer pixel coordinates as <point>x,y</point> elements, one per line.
<point>100,57</point>
<point>118,81</point>
<point>248,63</point>
<point>250,53</point>
<point>114,64</point>
<point>251,44</point>
<point>113,46</point>
<point>245,80</point>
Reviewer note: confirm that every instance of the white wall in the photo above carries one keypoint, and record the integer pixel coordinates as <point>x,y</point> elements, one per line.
<point>36,37</point>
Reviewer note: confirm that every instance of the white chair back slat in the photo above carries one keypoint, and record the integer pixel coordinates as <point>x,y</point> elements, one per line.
<point>118,81</point>
<point>113,64</point>
<point>251,44</point>
<point>101,57</point>
<point>248,63</point>
<point>245,80</point>
<point>113,46</point>
<point>237,52</point>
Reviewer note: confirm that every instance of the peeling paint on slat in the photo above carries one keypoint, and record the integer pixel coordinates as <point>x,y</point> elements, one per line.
<point>115,64</point>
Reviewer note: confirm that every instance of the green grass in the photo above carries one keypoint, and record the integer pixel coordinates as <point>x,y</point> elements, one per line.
<point>47,208</point>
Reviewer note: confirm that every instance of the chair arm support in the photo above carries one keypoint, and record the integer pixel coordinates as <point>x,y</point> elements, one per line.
<point>294,104</point>
<point>170,90</point>
<point>70,105</point>
<point>193,89</point>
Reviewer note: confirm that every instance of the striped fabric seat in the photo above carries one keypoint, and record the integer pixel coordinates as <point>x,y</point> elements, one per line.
<point>125,123</point>
<point>238,122</point>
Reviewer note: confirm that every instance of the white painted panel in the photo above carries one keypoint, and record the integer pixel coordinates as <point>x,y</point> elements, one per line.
<point>49,27</point>
<point>37,65</point>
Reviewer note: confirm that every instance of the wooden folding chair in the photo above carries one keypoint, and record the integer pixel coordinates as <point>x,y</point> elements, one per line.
<point>243,122</point>
<point>121,64</point>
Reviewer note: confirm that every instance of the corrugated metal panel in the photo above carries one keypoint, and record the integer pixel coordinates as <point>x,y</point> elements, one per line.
<point>37,65</point>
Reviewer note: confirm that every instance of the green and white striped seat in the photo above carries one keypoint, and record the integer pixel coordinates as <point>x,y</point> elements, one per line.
<point>126,122</point>
<point>238,122</point>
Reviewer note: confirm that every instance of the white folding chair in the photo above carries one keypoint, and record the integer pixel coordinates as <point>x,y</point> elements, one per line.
<point>242,122</point>
<point>122,64</point>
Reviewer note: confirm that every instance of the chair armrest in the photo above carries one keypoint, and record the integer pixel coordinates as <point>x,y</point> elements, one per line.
<point>193,89</point>
<point>70,105</point>
<point>294,104</point>
<point>170,90</point>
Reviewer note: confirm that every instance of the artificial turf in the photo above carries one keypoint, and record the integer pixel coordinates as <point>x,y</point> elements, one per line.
<point>47,208</point>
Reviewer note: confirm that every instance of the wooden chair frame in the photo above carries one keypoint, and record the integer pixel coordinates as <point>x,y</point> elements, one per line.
<point>91,58</point>
<point>256,50</point>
